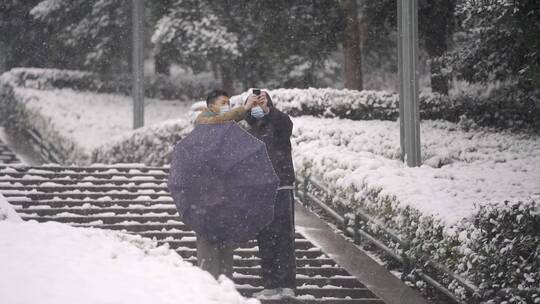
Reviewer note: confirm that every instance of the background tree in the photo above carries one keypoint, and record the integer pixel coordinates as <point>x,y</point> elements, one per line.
<point>253,43</point>
<point>351,46</point>
<point>25,41</point>
<point>436,25</point>
<point>435,28</point>
<point>498,40</point>
<point>98,30</point>
<point>192,34</point>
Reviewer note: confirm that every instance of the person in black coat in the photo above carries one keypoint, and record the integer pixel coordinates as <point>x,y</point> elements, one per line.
<point>276,241</point>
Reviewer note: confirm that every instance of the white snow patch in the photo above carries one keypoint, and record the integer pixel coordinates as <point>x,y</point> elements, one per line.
<point>57,263</point>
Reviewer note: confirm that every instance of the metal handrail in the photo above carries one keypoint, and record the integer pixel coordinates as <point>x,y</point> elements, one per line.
<point>357,232</point>
<point>49,153</point>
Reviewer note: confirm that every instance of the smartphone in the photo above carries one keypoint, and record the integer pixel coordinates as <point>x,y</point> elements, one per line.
<point>257,91</point>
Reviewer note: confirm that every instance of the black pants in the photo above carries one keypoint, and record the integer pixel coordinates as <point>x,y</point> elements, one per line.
<point>276,245</point>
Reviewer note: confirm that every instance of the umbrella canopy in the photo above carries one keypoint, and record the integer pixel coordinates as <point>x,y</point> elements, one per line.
<point>223,183</point>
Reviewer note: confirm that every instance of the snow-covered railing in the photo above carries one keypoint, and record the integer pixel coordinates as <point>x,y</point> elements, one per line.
<point>47,152</point>
<point>358,234</point>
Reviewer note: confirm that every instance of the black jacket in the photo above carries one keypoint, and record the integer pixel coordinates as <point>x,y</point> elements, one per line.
<point>275,131</point>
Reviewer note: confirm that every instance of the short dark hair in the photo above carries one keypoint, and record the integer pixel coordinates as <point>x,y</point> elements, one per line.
<point>212,96</point>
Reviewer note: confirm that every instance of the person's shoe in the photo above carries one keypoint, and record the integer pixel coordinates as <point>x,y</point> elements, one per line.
<point>268,294</point>
<point>287,293</point>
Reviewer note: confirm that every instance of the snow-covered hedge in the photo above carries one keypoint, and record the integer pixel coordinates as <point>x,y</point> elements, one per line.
<point>497,248</point>
<point>152,145</point>
<point>16,115</point>
<point>51,78</point>
<point>472,209</point>
<point>502,108</point>
<point>156,86</point>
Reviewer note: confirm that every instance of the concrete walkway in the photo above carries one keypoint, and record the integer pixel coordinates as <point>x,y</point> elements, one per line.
<point>353,259</point>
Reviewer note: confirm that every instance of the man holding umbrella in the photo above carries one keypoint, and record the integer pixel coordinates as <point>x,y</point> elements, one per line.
<point>217,257</point>
<point>276,241</point>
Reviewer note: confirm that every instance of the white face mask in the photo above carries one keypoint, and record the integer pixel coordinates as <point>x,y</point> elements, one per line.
<point>224,109</point>
<point>257,112</point>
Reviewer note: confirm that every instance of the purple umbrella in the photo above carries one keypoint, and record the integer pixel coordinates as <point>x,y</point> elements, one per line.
<point>223,182</point>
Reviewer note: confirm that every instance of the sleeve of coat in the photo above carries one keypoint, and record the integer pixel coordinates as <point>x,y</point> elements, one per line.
<point>282,122</point>
<point>236,114</point>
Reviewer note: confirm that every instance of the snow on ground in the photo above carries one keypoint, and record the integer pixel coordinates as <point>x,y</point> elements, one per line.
<point>7,213</point>
<point>91,119</point>
<point>476,167</point>
<point>56,263</point>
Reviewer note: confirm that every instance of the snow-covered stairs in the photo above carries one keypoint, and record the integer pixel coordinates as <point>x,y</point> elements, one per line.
<point>7,156</point>
<point>135,198</point>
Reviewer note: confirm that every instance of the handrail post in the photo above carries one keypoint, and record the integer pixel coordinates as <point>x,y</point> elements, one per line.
<point>407,266</point>
<point>304,189</point>
<point>357,238</point>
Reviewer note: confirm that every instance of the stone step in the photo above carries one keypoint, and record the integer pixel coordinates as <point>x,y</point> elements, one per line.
<point>346,282</point>
<point>114,219</point>
<point>36,182</point>
<point>93,168</point>
<point>308,299</point>
<point>299,244</point>
<point>253,262</point>
<point>96,211</point>
<point>160,235</point>
<point>308,271</point>
<point>136,227</point>
<point>191,253</point>
<point>52,176</point>
<point>102,189</point>
<point>102,202</point>
<point>9,194</point>
<point>330,292</point>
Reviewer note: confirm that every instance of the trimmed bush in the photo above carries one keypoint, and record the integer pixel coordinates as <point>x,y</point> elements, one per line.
<point>156,86</point>
<point>505,107</point>
<point>15,115</point>
<point>152,145</point>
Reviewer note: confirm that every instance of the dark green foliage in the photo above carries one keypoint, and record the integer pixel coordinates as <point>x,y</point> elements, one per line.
<point>498,40</point>
<point>25,41</point>
<point>254,43</point>
<point>97,31</point>
<point>505,252</point>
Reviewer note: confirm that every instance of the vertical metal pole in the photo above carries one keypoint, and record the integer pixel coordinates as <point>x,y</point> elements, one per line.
<point>138,63</point>
<point>409,117</point>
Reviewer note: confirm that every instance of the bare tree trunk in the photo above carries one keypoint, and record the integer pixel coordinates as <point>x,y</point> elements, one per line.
<point>3,58</point>
<point>162,64</point>
<point>437,28</point>
<point>227,81</point>
<point>351,46</point>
